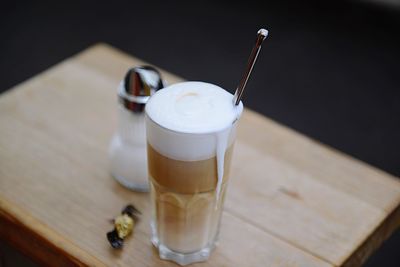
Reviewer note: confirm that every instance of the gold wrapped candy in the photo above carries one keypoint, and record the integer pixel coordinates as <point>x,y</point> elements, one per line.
<point>124,225</point>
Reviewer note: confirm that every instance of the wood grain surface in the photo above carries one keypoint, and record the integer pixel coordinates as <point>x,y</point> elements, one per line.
<point>291,201</point>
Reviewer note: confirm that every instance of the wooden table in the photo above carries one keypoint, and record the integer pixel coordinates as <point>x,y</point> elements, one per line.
<point>291,202</point>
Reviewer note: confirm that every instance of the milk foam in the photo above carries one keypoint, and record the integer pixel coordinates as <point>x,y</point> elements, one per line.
<point>193,107</point>
<point>197,122</point>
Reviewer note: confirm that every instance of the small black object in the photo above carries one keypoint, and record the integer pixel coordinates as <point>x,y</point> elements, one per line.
<point>130,210</point>
<point>114,239</point>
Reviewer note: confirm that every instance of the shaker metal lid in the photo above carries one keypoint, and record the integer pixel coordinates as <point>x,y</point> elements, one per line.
<point>137,87</point>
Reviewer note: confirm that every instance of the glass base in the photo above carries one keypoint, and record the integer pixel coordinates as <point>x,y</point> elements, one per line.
<point>131,185</point>
<point>180,258</point>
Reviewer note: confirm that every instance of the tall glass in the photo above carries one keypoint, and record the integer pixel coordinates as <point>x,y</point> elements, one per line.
<point>188,175</point>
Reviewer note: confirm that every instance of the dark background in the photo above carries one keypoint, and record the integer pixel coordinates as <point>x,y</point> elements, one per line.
<point>329,69</point>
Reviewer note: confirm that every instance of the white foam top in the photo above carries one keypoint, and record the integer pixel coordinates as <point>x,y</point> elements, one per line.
<point>193,107</point>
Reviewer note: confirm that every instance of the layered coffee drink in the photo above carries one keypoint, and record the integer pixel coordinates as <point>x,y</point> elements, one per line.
<point>190,130</point>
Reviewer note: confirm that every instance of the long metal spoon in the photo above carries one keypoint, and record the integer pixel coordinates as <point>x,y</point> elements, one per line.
<point>261,35</point>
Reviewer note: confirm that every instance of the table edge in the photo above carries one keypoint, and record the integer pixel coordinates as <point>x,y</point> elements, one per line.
<point>39,241</point>
<point>373,242</point>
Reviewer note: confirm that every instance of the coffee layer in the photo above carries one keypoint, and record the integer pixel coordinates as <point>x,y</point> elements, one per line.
<point>186,177</point>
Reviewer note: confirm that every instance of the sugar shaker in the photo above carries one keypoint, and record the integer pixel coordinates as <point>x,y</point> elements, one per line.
<point>127,152</point>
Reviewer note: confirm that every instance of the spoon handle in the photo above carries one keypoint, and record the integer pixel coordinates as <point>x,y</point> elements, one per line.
<point>261,35</point>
